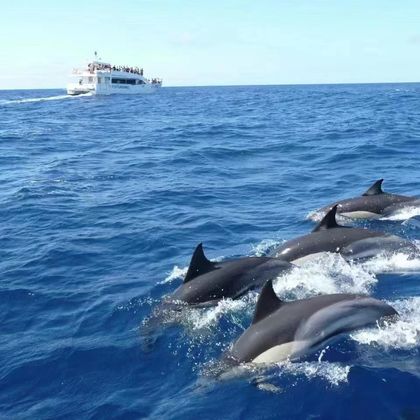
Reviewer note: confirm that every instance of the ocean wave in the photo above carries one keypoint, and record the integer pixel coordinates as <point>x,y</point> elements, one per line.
<point>100,198</point>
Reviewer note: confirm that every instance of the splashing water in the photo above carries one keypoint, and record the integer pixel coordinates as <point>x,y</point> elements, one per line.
<point>176,273</point>
<point>199,319</point>
<point>395,263</point>
<point>264,246</point>
<point>401,334</point>
<point>333,373</point>
<point>404,214</point>
<point>330,273</point>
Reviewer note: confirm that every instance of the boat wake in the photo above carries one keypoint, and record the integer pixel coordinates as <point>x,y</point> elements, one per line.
<point>43,99</point>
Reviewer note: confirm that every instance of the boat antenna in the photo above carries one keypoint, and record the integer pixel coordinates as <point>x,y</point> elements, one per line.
<point>97,57</point>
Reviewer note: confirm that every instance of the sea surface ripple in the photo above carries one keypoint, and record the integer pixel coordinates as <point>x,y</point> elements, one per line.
<point>103,200</point>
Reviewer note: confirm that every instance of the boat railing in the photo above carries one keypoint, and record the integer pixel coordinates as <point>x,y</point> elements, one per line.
<point>92,71</point>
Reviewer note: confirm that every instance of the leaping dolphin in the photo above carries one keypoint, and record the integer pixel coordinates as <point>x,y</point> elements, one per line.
<point>372,204</point>
<point>329,236</point>
<point>206,282</point>
<point>288,330</point>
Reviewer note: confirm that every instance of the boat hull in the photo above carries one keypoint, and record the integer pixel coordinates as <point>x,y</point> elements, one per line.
<point>76,89</point>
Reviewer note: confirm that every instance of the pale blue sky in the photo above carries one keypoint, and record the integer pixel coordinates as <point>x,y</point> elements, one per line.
<point>213,42</point>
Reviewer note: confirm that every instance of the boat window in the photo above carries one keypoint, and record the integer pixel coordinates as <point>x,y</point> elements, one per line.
<point>99,79</point>
<point>124,81</point>
<point>90,79</point>
<point>140,82</point>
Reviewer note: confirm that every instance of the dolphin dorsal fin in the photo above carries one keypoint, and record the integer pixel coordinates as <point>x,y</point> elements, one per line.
<point>375,189</point>
<point>267,303</point>
<point>328,221</point>
<point>199,264</point>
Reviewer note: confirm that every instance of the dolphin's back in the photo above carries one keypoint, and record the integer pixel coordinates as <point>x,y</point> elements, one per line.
<point>280,327</point>
<point>299,327</point>
<point>340,317</point>
<point>395,207</point>
<point>371,203</point>
<point>230,279</point>
<point>371,247</point>
<point>331,240</point>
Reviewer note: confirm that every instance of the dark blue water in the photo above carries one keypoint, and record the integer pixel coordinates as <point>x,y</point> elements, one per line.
<point>102,202</point>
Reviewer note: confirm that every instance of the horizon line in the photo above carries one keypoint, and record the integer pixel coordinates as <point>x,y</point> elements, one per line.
<point>242,85</point>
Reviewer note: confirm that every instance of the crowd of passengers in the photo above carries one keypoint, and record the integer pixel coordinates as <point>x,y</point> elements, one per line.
<point>134,70</point>
<point>96,66</point>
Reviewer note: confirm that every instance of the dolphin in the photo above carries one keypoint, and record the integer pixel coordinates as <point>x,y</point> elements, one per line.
<point>397,207</point>
<point>329,236</point>
<point>371,205</point>
<point>207,282</point>
<point>289,330</point>
<point>382,245</point>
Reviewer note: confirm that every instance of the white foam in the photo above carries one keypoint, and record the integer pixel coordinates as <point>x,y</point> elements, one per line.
<point>210,317</point>
<point>328,274</point>
<point>404,213</point>
<point>333,373</point>
<point>43,99</point>
<point>176,273</point>
<point>207,318</point>
<point>263,247</point>
<point>262,375</point>
<point>315,215</point>
<point>395,263</point>
<point>401,334</point>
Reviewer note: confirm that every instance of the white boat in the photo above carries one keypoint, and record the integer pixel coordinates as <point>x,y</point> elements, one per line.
<point>100,78</point>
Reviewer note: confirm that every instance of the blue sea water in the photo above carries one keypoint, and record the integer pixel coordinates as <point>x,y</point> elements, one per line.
<point>103,200</point>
